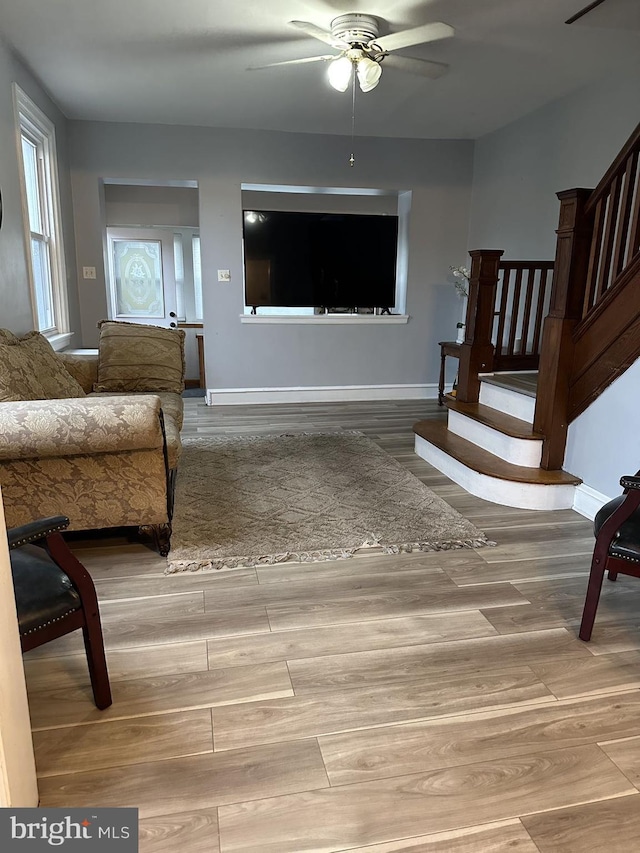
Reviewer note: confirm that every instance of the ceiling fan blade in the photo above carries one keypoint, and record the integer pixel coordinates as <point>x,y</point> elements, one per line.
<point>423,67</point>
<point>584,11</point>
<point>325,58</point>
<point>318,33</point>
<point>418,35</point>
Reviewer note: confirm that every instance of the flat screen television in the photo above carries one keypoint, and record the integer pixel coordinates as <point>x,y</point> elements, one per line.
<point>320,260</point>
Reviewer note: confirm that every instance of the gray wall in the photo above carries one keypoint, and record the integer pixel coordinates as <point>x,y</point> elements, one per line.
<point>242,356</point>
<point>517,171</point>
<point>136,205</point>
<point>15,303</point>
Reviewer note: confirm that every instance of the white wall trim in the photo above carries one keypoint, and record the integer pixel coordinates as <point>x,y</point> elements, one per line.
<point>588,501</point>
<point>319,394</point>
<point>327,319</point>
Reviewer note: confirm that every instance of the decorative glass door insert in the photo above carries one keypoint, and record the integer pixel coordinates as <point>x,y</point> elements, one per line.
<point>137,267</point>
<point>142,286</point>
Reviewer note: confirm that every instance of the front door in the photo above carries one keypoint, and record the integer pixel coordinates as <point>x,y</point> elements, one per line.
<point>141,287</point>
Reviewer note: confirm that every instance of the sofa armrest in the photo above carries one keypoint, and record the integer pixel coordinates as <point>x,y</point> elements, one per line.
<point>55,428</point>
<point>83,368</point>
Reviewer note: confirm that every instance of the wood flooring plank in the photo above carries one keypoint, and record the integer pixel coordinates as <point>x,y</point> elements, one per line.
<point>123,664</point>
<point>144,587</point>
<point>626,755</point>
<point>389,605</point>
<point>346,588</point>
<point>158,607</point>
<point>127,633</point>
<point>362,563</point>
<point>161,694</point>
<point>503,837</point>
<point>352,637</point>
<point>189,832</point>
<point>621,636</point>
<point>581,677</point>
<point>514,571</point>
<point>571,546</point>
<point>611,825</point>
<point>276,720</point>
<point>401,750</point>
<point>534,617</point>
<point>122,742</point>
<point>161,788</point>
<point>334,819</point>
<point>387,666</point>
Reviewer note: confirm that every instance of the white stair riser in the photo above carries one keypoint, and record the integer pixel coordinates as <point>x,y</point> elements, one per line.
<point>510,402</point>
<point>506,492</point>
<point>517,451</point>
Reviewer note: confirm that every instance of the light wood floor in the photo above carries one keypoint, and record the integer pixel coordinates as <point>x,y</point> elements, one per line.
<point>423,703</point>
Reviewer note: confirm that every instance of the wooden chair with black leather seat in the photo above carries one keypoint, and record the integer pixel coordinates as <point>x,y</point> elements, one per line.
<point>617,548</point>
<point>56,595</point>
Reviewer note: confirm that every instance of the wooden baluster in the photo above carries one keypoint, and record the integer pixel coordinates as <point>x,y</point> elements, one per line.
<point>476,353</point>
<point>515,307</point>
<point>526,314</point>
<point>542,299</point>
<point>604,275</point>
<point>505,269</point>
<point>567,295</point>
<point>634,231</point>
<point>623,235</point>
<point>594,258</point>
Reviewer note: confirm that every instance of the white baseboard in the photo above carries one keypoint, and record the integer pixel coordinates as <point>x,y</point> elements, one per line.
<point>588,501</point>
<point>319,394</point>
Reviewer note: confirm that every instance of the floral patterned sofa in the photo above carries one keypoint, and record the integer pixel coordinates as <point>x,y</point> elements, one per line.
<point>95,438</point>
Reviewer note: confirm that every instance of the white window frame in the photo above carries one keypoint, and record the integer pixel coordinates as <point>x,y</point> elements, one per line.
<point>40,131</point>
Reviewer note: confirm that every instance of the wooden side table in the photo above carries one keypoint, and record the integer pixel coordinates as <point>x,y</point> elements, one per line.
<point>446,348</point>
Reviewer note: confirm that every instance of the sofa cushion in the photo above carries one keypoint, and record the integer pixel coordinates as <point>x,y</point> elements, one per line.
<point>135,357</point>
<point>172,410</point>
<point>83,368</point>
<point>47,365</point>
<point>18,379</point>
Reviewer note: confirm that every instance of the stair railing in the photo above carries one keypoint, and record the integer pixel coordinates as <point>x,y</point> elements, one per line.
<point>507,303</point>
<point>592,332</point>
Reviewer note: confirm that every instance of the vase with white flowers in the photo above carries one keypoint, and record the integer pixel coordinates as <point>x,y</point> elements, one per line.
<point>461,281</point>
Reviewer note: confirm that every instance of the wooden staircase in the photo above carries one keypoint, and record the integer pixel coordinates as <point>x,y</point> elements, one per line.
<point>491,449</point>
<point>506,442</point>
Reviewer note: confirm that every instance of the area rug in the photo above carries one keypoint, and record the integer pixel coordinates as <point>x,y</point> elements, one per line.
<point>256,500</point>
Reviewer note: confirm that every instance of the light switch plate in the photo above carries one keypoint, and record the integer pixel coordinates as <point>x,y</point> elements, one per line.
<point>88,272</point>
<point>224,275</point>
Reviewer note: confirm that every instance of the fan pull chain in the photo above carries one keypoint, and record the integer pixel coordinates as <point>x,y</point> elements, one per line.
<point>353,118</point>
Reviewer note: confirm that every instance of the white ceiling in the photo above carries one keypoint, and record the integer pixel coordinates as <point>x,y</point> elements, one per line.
<point>185,62</point>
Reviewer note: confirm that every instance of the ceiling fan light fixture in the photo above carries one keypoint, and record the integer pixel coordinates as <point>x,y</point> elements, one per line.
<point>340,73</point>
<point>369,73</point>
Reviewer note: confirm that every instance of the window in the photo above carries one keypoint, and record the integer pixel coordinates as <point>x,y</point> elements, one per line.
<point>43,231</point>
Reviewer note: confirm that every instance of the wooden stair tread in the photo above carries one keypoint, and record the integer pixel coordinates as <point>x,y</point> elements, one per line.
<point>474,457</point>
<point>506,424</point>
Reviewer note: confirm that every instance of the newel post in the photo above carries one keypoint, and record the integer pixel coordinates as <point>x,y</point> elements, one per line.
<point>574,232</point>
<point>476,353</point>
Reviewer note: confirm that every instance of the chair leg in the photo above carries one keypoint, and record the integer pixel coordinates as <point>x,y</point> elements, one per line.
<point>94,645</point>
<point>591,602</point>
<point>613,576</point>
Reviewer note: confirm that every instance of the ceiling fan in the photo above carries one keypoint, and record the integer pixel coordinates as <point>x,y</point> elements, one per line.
<point>362,51</point>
